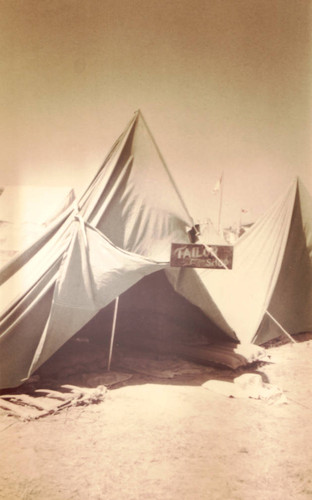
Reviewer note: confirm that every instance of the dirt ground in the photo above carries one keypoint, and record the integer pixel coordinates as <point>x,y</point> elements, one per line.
<point>167,439</point>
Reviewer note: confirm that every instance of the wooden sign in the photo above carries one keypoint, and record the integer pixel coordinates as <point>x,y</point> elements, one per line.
<point>207,256</point>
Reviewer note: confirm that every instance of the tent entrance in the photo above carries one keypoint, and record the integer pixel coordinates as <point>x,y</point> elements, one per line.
<point>152,320</point>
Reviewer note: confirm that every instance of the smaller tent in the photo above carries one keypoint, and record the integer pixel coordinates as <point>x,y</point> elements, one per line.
<point>269,289</point>
<point>34,204</point>
<point>25,213</point>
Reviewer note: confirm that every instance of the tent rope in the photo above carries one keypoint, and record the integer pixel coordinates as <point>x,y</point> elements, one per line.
<point>280,326</point>
<point>209,249</point>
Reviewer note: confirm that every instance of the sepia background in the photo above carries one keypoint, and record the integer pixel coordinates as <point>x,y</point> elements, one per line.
<point>225,86</point>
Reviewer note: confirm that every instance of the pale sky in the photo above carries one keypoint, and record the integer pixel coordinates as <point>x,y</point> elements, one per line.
<point>224,85</point>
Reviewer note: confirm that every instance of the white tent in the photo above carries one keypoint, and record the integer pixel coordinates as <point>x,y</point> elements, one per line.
<point>134,202</point>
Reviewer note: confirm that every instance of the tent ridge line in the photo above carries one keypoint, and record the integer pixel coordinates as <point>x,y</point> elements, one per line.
<point>166,168</point>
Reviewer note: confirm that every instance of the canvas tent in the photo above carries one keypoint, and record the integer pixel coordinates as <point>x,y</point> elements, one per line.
<point>119,236</point>
<point>291,299</point>
<point>121,231</point>
<point>270,287</point>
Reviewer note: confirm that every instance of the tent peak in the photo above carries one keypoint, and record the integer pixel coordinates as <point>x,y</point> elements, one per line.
<point>138,113</point>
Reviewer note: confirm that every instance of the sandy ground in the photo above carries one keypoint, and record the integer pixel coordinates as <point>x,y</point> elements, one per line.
<point>164,439</point>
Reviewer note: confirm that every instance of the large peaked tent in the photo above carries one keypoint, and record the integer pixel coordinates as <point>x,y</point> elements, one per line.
<point>120,232</point>
<point>135,203</point>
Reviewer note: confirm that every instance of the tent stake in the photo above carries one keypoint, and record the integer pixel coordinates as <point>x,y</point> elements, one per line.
<point>113,334</point>
<point>283,329</point>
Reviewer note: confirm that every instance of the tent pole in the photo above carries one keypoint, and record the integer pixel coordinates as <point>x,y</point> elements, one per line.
<point>283,329</point>
<point>113,334</point>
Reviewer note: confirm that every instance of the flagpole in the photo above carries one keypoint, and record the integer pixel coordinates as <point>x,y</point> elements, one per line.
<point>220,204</point>
<point>239,223</point>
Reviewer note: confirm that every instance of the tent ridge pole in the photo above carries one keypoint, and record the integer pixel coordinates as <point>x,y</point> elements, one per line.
<point>166,168</point>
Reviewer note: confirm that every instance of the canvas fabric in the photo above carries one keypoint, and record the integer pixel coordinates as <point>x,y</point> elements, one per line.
<point>134,201</point>
<point>28,281</point>
<point>122,231</point>
<point>291,301</point>
<point>93,273</point>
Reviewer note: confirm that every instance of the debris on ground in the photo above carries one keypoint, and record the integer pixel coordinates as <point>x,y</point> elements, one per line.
<point>46,402</point>
<point>248,385</point>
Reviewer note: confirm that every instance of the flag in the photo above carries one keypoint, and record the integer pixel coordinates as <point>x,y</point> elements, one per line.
<point>217,187</point>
